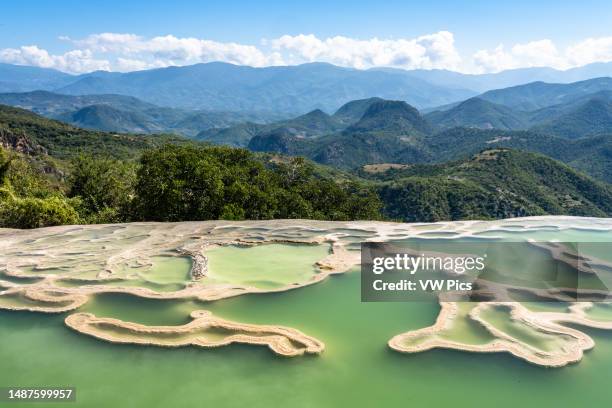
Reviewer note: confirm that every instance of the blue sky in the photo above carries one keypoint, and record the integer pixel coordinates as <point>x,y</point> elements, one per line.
<point>561,34</point>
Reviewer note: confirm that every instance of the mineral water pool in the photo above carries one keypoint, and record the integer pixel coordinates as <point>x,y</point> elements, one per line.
<point>356,369</point>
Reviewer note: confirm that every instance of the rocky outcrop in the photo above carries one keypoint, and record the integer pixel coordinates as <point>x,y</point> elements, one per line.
<point>20,143</point>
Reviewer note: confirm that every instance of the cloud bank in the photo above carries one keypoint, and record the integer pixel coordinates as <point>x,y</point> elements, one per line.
<point>128,52</point>
<point>544,53</point>
<point>427,52</point>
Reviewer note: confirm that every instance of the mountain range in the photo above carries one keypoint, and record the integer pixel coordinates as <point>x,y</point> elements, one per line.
<point>296,89</point>
<point>190,100</point>
<point>492,183</point>
<point>220,86</point>
<point>568,110</point>
<point>120,113</point>
<point>513,77</point>
<point>567,121</point>
<point>392,132</point>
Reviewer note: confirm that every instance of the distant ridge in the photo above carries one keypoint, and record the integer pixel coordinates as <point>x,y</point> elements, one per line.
<point>109,119</point>
<point>289,89</point>
<point>536,95</point>
<point>120,113</point>
<point>478,113</point>
<point>293,90</point>
<point>591,118</point>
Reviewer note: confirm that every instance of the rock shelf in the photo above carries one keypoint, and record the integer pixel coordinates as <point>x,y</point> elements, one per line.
<point>59,269</point>
<point>569,348</point>
<point>205,330</point>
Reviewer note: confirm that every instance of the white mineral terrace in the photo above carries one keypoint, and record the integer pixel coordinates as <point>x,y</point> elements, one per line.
<point>59,269</point>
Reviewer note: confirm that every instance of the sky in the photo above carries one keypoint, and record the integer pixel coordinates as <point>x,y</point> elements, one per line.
<point>466,36</point>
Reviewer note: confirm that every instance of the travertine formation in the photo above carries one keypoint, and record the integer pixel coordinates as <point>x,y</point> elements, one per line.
<point>568,345</point>
<point>205,330</point>
<point>57,270</point>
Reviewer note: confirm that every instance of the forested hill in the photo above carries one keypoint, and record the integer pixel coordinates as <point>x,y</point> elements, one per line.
<point>495,183</point>
<point>27,132</point>
<point>52,173</point>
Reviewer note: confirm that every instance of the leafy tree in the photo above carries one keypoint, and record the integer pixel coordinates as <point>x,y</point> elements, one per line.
<point>27,178</point>
<point>177,183</point>
<point>104,185</point>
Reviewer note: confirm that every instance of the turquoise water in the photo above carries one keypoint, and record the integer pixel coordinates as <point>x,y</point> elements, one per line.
<point>267,266</point>
<point>357,368</point>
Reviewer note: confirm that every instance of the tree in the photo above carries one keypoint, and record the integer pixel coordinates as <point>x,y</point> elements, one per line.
<point>104,185</point>
<point>175,183</point>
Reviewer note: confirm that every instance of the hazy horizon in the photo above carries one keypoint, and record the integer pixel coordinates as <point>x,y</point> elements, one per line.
<point>319,62</point>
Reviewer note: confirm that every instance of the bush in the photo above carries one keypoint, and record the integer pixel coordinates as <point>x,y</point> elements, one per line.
<point>105,187</point>
<point>32,212</point>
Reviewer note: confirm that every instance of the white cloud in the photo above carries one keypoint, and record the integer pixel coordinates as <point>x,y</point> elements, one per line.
<point>544,53</point>
<point>590,50</point>
<point>129,52</point>
<point>129,64</point>
<point>428,51</point>
<point>170,50</point>
<point>74,61</point>
<point>107,42</point>
<point>532,54</point>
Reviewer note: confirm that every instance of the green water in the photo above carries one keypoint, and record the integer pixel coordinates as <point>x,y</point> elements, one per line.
<point>600,311</point>
<point>266,266</point>
<point>17,280</point>
<point>357,369</point>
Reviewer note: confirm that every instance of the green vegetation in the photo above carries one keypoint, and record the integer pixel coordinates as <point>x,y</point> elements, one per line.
<point>593,117</point>
<point>496,183</point>
<point>592,155</point>
<point>395,117</point>
<point>197,183</point>
<point>478,113</point>
<point>104,186</point>
<point>63,141</point>
<point>177,183</point>
<point>388,131</point>
<point>30,200</point>
<point>312,124</point>
<point>55,174</point>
